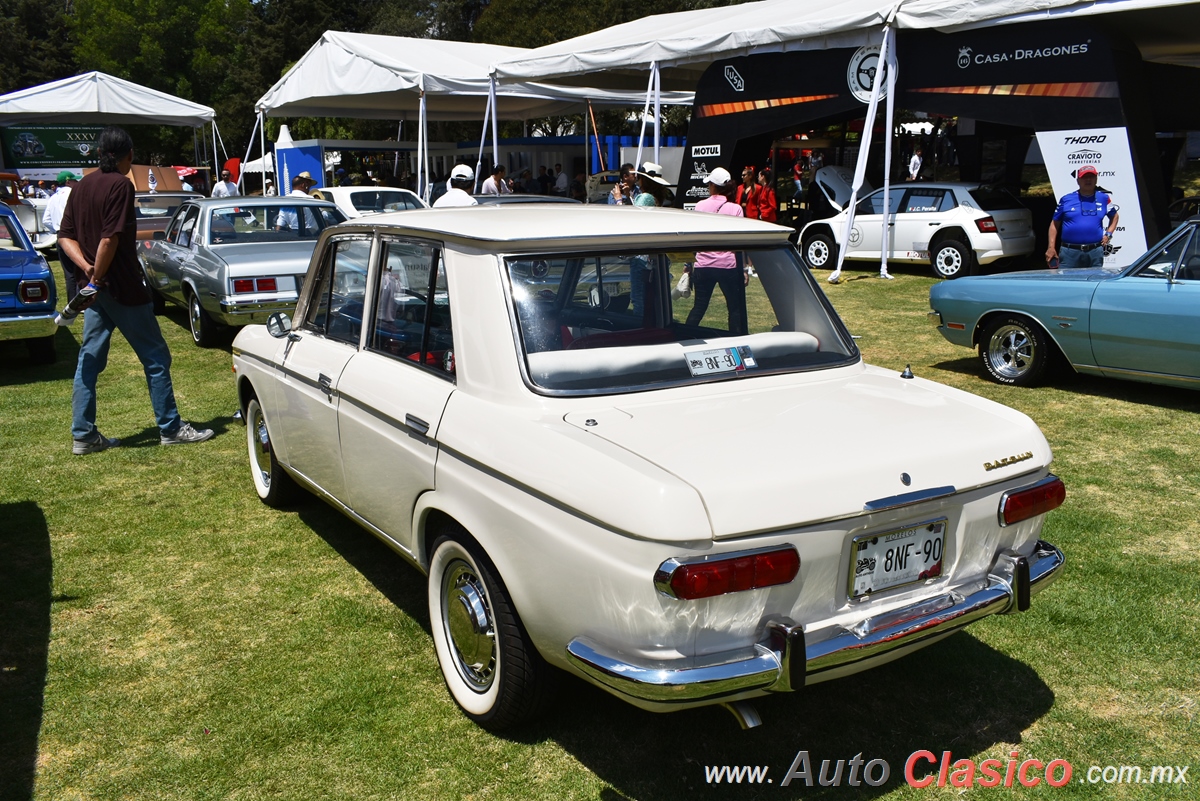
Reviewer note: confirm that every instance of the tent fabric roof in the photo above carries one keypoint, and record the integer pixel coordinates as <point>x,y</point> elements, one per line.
<point>380,77</point>
<point>96,97</point>
<point>686,42</point>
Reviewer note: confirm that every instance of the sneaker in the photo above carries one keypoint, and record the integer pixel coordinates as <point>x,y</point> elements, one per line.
<point>186,434</point>
<point>94,444</point>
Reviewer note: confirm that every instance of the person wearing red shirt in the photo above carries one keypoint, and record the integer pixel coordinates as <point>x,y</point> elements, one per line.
<point>747,194</point>
<point>768,204</point>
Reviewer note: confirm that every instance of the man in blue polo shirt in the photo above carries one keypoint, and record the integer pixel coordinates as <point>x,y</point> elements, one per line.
<point>1083,223</point>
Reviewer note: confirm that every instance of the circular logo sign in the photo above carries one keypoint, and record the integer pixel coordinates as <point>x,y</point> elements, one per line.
<point>855,237</point>
<point>860,74</point>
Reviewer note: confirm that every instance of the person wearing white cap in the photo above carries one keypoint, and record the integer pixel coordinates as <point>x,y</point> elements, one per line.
<point>720,267</point>
<point>462,178</point>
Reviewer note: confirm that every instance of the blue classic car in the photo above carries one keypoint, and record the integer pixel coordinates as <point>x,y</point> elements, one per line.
<point>27,293</point>
<point>1141,322</point>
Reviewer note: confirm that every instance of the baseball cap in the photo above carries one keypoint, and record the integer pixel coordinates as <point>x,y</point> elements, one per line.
<point>1087,169</point>
<point>67,175</point>
<point>720,177</point>
<point>462,172</point>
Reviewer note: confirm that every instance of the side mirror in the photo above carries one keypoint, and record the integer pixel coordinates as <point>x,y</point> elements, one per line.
<point>159,235</point>
<point>279,324</point>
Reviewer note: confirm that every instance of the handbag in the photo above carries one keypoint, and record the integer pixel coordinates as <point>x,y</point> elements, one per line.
<point>683,287</point>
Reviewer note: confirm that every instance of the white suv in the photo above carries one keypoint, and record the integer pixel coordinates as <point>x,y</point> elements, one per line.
<point>953,226</point>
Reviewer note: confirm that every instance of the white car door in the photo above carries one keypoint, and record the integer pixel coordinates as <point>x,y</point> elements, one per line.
<point>393,393</point>
<point>921,213</point>
<point>866,236</point>
<point>319,348</point>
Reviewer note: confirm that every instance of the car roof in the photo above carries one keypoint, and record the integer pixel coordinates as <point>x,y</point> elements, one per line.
<point>515,222</point>
<point>259,200</point>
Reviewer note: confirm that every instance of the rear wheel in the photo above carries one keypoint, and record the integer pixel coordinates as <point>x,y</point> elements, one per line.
<point>820,252</point>
<point>490,666</point>
<point>951,259</point>
<point>1014,350</point>
<point>272,483</point>
<point>204,328</point>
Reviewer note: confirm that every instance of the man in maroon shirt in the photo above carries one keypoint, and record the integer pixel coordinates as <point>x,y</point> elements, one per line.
<point>99,234</point>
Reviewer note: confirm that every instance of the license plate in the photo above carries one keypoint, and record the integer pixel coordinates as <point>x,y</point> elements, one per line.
<point>894,558</point>
<point>720,360</point>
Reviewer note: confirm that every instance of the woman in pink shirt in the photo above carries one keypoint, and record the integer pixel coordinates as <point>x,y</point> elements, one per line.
<point>720,267</point>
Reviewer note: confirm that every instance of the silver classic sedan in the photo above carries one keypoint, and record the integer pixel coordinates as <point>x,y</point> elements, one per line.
<point>233,261</point>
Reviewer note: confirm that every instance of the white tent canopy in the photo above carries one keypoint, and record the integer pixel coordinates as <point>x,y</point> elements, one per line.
<point>95,97</point>
<point>683,44</point>
<point>368,76</point>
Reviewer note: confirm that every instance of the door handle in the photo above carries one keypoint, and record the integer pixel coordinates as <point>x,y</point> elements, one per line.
<point>416,424</point>
<point>326,385</point>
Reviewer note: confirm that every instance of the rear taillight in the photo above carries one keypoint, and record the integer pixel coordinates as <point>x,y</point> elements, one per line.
<point>986,225</point>
<point>749,570</point>
<point>252,284</point>
<point>265,284</point>
<point>1022,504</point>
<point>243,285</point>
<point>33,292</point>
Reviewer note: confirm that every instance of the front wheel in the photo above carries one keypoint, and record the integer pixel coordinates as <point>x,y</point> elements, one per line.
<point>820,252</point>
<point>272,483</point>
<point>490,666</point>
<point>951,259</point>
<point>1015,351</point>
<point>204,328</point>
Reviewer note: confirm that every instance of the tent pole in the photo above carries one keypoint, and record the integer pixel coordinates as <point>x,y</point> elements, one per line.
<point>889,116</point>
<point>487,112</point>
<point>495,125</point>
<point>864,149</point>
<point>216,160</point>
<point>420,143</point>
<point>242,172</point>
<point>221,139</point>
<point>637,165</point>
<point>195,148</point>
<point>587,150</point>
<point>262,146</point>
<point>657,112</point>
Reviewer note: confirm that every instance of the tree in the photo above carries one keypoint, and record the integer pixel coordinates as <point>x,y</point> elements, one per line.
<point>34,43</point>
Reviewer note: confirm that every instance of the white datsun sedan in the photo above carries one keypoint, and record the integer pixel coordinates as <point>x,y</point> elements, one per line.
<point>603,476</point>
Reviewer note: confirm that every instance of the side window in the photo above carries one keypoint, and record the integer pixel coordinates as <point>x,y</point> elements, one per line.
<point>1189,266</point>
<point>1159,263</point>
<point>873,203</point>
<point>412,313</point>
<point>181,234</point>
<point>923,201</point>
<point>336,308</point>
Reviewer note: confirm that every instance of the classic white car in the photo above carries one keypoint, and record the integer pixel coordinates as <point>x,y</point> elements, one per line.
<point>359,201</point>
<point>601,476</point>
<point>953,226</point>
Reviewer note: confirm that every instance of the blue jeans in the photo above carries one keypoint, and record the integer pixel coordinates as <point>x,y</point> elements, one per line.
<point>140,327</point>
<point>1073,257</point>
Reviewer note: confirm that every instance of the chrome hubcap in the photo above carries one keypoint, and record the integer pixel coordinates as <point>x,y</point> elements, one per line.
<point>262,447</point>
<point>1011,351</point>
<point>194,317</point>
<point>468,624</point>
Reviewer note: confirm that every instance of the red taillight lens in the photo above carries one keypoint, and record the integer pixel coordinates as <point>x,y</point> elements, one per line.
<point>265,284</point>
<point>719,576</point>
<point>986,225</point>
<point>243,285</point>
<point>1047,494</point>
<point>34,292</point>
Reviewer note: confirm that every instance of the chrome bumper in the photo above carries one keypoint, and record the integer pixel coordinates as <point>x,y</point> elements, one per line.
<point>28,326</point>
<point>253,311</point>
<point>774,666</point>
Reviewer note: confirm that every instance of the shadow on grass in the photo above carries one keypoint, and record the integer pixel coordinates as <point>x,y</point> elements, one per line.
<point>16,369</point>
<point>150,437</point>
<point>25,587</point>
<point>959,695</point>
<point>394,576</point>
<point>178,316</point>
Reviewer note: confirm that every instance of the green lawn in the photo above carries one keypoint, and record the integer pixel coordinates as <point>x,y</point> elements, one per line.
<point>163,635</point>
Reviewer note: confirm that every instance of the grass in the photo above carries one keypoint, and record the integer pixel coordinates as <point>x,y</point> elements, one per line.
<point>163,635</point>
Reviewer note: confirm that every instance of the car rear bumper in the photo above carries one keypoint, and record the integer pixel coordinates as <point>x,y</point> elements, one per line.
<point>245,312</point>
<point>28,326</point>
<point>1006,247</point>
<point>784,660</point>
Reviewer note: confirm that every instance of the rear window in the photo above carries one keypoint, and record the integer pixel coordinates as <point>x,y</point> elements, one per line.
<point>617,321</point>
<point>995,198</point>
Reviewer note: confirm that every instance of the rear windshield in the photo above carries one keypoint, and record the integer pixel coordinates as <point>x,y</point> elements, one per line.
<point>995,198</point>
<point>282,223</point>
<point>157,207</point>
<point>612,322</point>
<point>373,200</point>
